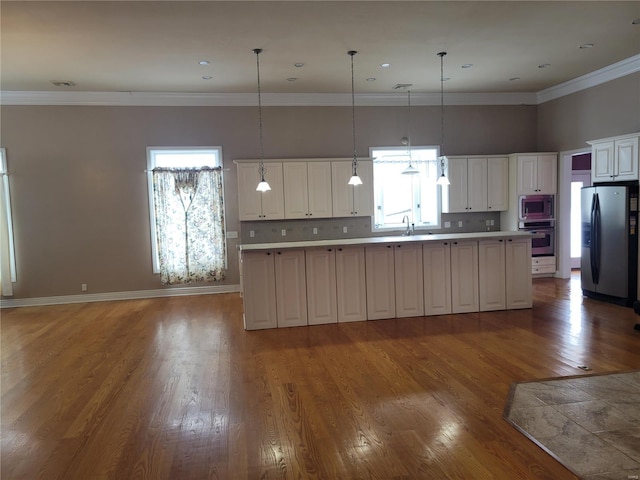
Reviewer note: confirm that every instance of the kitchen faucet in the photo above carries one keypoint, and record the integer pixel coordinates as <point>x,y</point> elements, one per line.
<point>409,226</point>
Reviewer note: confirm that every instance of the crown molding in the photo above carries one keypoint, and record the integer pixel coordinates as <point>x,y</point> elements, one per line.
<point>168,99</point>
<point>617,70</point>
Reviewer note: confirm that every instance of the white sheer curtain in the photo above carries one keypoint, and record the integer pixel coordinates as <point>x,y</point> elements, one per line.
<point>190,234</point>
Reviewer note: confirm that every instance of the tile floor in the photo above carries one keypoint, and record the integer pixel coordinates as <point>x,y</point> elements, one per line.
<point>591,424</point>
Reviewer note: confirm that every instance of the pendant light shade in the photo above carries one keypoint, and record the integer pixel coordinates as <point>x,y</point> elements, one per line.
<point>263,186</point>
<point>442,180</point>
<point>355,178</point>
<point>410,170</point>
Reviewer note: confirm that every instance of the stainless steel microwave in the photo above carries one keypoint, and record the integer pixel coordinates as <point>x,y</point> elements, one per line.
<point>535,207</point>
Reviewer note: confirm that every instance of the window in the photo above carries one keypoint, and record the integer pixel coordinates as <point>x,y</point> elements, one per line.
<point>186,210</point>
<point>7,251</point>
<point>397,195</point>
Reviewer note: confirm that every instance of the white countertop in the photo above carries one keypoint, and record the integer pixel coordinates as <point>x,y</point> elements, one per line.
<point>387,239</point>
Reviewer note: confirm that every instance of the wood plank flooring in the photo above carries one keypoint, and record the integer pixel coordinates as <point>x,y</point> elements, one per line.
<point>174,388</point>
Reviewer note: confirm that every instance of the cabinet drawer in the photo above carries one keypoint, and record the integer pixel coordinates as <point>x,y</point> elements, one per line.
<point>544,269</point>
<point>543,261</point>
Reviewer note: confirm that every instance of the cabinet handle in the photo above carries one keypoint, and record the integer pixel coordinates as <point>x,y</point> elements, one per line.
<point>446,243</point>
<point>511,240</point>
<point>455,243</point>
<point>339,249</point>
<point>388,246</point>
<point>328,249</point>
<point>500,240</point>
<point>268,253</point>
<point>279,253</point>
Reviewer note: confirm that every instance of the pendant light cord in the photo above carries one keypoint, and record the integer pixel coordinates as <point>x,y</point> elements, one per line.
<point>353,112</point>
<point>257,51</point>
<point>441,55</point>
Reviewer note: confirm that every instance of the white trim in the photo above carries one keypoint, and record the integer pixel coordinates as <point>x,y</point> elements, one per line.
<point>4,172</point>
<point>617,70</point>
<point>107,297</point>
<point>249,99</point>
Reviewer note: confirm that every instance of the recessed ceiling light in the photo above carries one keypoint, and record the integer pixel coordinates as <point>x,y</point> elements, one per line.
<point>203,62</point>
<point>544,65</point>
<point>298,65</point>
<point>467,65</point>
<point>291,79</point>
<point>385,65</point>
<point>636,22</point>
<point>586,45</point>
<point>371,79</point>
<point>63,83</point>
<point>514,78</point>
<point>207,77</point>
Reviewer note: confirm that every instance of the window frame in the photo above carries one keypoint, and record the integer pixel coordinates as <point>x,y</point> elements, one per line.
<point>152,163</point>
<point>438,214</point>
<point>4,172</point>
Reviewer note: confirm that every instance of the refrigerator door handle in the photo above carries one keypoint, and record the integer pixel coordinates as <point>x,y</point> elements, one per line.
<point>593,241</point>
<point>597,247</point>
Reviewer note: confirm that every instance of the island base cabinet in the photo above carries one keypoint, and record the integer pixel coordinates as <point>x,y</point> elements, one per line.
<point>322,302</point>
<point>409,280</point>
<point>380,278</point>
<point>437,278</point>
<point>518,273</point>
<point>351,284</point>
<point>259,290</point>
<point>464,277</point>
<point>291,291</point>
<point>491,270</point>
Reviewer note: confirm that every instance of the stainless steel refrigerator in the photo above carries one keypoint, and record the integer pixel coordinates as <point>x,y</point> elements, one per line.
<point>609,264</point>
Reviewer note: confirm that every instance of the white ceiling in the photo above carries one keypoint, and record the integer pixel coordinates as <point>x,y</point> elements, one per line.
<point>155,46</point>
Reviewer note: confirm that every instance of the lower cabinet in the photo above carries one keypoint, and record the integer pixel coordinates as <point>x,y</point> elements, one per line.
<point>291,291</point>
<point>491,275</point>
<point>436,259</point>
<point>351,284</point>
<point>380,280</point>
<point>408,280</point>
<point>518,273</point>
<point>464,277</point>
<point>259,290</point>
<point>322,301</point>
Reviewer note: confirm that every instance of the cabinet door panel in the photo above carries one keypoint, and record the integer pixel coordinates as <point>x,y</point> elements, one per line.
<point>518,273</point>
<point>259,294</point>
<point>363,194</point>
<point>291,291</point>
<point>342,193</point>
<point>626,158</point>
<point>455,197</point>
<point>296,197</point>
<point>527,174</point>
<point>380,275</point>
<point>273,200</point>
<point>409,280</point>
<point>322,304</point>
<point>602,162</point>
<point>491,281</point>
<point>437,278</point>
<point>351,284</point>
<point>249,200</point>
<point>477,184</point>
<point>319,182</point>
<point>464,277</point>
<point>547,177</point>
<point>497,184</point>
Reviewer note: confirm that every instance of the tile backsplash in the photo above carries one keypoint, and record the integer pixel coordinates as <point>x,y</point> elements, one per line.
<point>270,231</point>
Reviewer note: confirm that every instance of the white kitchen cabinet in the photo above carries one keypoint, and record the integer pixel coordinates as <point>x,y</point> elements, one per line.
<point>543,265</point>
<point>467,191</point>
<point>497,184</point>
<point>291,291</point>
<point>380,278</point>
<point>491,271</point>
<point>350,200</point>
<point>436,258</point>
<point>409,280</point>
<point>464,276</point>
<point>307,189</point>
<point>614,159</point>
<point>254,205</point>
<point>259,294</point>
<point>537,173</point>
<point>322,302</point>
<point>518,273</point>
<point>351,284</point>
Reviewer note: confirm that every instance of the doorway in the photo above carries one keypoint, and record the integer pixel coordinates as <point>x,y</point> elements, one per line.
<point>579,179</point>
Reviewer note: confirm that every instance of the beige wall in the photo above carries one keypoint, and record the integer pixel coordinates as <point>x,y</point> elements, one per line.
<point>606,110</point>
<point>78,182</point>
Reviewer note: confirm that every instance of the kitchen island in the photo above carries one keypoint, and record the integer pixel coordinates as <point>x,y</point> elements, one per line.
<point>356,279</point>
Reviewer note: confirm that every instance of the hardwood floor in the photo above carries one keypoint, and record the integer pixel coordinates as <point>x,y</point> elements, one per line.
<point>174,388</point>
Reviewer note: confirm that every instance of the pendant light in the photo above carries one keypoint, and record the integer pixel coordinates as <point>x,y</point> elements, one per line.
<point>442,180</point>
<point>410,170</point>
<point>355,179</point>
<point>263,186</point>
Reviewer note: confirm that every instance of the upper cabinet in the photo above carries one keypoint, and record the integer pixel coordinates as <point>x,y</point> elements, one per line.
<point>254,205</point>
<point>307,189</point>
<point>536,173</point>
<point>350,200</point>
<point>614,159</point>
<point>478,184</point>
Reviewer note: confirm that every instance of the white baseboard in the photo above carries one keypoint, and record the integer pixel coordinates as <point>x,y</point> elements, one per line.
<point>105,297</point>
